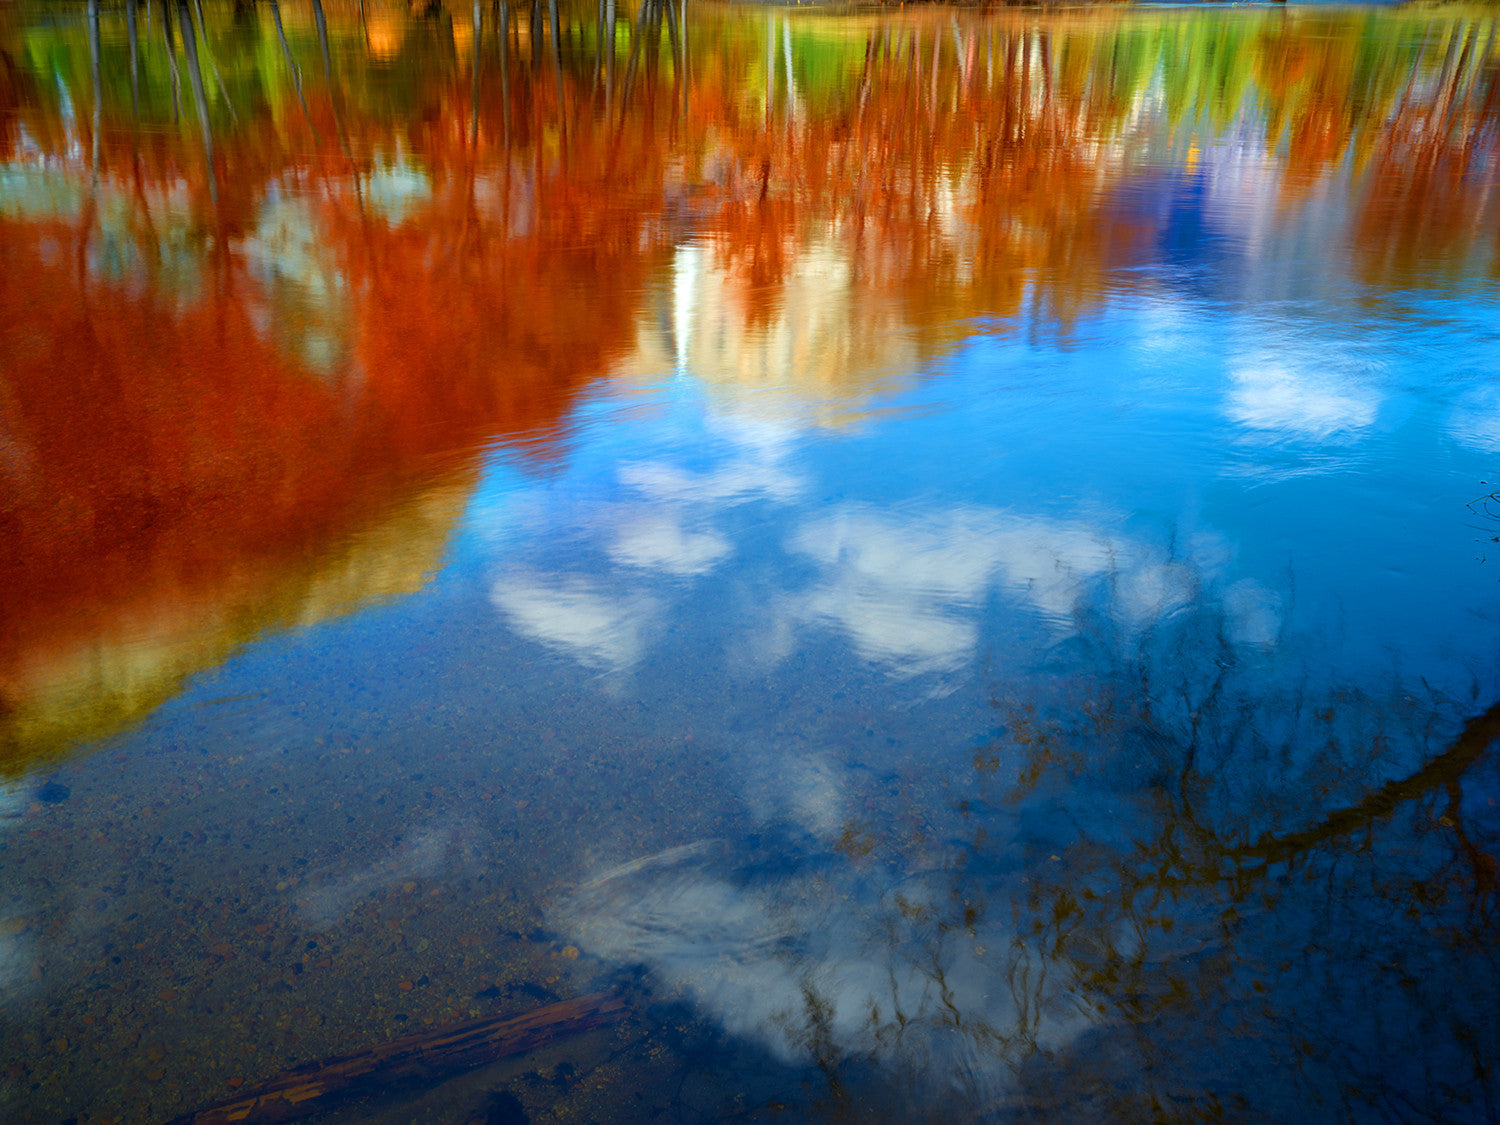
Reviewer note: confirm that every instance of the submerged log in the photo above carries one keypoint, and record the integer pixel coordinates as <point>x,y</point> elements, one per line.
<point>432,1054</point>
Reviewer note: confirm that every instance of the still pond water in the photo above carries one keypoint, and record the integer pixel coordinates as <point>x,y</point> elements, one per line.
<point>942,557</point>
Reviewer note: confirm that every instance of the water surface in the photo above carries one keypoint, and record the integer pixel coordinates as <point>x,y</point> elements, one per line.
<point>943,555</point>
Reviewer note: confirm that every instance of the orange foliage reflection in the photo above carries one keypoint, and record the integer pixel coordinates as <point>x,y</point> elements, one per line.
<point>219,387</point>
<point>282,424</point>
<point>178,479</point>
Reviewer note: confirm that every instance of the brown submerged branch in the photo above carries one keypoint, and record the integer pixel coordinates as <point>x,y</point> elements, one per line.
<point>432,1054</point>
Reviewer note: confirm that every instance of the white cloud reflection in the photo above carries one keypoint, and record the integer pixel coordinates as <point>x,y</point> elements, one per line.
<point>1302,402</point>
<point>660,525</point>
<point>831,952</point>
<point>1153,591</point>
<point>899,628</point>
<point>906,586</point>
<point>1475,419</point>
<point>656,540</point>
<point>792,785</point>
<point>397,189</point>
<point>825,942</point>
<point>820,962</point>
<point>586,620</point>
<point>741,480</point>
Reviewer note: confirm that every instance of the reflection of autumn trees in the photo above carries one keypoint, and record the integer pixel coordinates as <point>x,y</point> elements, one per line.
<point>181,462</point>
<point>1430,203</point>
<point>964,161</point>
<point>15,90</point>
<point>955,172</point>
<point>967,169</point>
<point>175,486</point>
<point>182,472</point>
<point>418,255</point>
<point>221,415</point>
<point>854,227</point>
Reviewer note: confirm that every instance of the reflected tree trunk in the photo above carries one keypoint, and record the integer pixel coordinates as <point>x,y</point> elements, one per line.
<point>671,16</point>
<point>791,81</point>
<point>770,67</point>
<point>598,45</point>
<point>651,56</point>
<point>135,66</point>
<point>1454,67</point>
<point>286,53</point>
<point>503,33</point>
<point>609,55</point>
<point>478,56</point>
<point>322,24</point>
<point>200,96</point>
<point>213,66</point>
<point>166,34</point>
<point>553,26</point>
<point>91,204</point>
<point>98,84</point>
<point>637,45</point>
